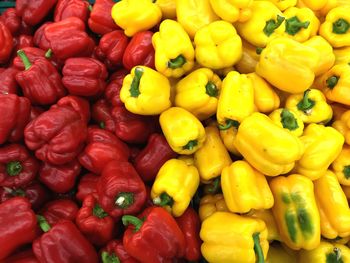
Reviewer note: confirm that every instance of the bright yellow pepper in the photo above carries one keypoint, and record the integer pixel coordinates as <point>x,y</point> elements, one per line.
<point>168,8</point>
<point>341,166</point>
<point>266,216</point>
<point>311,106</point>
<point>326,253</point>
<point>198,93</point>
<point>236,100</point>
<point>228,136</point>
<point>282,4</point>
<point>343,126</point>
<point>268,148</point>
<point>342,55</point>
<point>288,65</point>
<point>141,96</point>
<point>265,98</point>
<point>136,15</point>
<point>289,120</point>
<point>335,29</point>
<point>217,45</point>
<point>209,204</point>
<point>194,14</point>
<point>174,53</point>
<point>212,157</point>
<point>278,254</point>
<point>296,212</point>
<point>333,207</point>
<point>183,131</point>
<point>312,4</point>
<point>260,28</point>
<point>188,159</point>
<point>232,238</point>
<point>175,185</point>
<point>232,10</point>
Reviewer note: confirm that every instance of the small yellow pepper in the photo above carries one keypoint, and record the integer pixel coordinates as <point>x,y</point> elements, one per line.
<point>333,207</point>
<point>343,126</point>
<point>217,45</point>
<point>168,8</point>
<point>232,10</point>
<point>198,93</point>
<point>295,211</point>
<point>326,253</point>
<point>282,4</point>
<point>141,96</point>
<point>312,4</point>
<point>341,166</point>
<point>289,120</point>
<point>342,55</point>
<point>136,15</point>
<point>249,59</point>
<point>232,238</point>
<point>175,185</point>
<point>267,216</point>
<point>209,204</point>
<point>268,148</point>
<point>228,136</point>
<point>278,254</point>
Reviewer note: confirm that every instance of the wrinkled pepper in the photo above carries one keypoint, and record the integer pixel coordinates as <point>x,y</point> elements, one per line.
<point>100,20</point>
<point>58,210</point>
<point>87,185</point>
<point>232,11</point>
<point>271,225</point>
<point>11,20</point>
<point>6,45</point>
<point>115,252</point>
<point>325,253</point>
<point>341,166</point>
<point>33,12</point>
<point>71,8</point>
<point>209,204</point>
<point>289,120</point>
<point>8,83</point>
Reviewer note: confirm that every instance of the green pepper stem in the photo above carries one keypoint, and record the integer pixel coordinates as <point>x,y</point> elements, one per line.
<point>190,145</point>
<point>288,120</point>
<point>24,58</point>
<point>272,25</point>
<point>163,200</point>
<point>258,249</point>
<point>229,123</point>
<point>211,89</point>
<point>109,258</point>
<point>306,103</point>
<point>44,225</point>
<point>127,219</point>
<point>341,26</point>
<point>13,168</point>
<point>124,199</point>
<point>177,62</point>
<point>294,25</point>
<point>102,125</point>
<point>332,82</point>
<point>90,8</point>
<point>135,84</point>
<point>214,186</point>
<point>346,171</point>
<point>258,50</point>
<point>98,211</point>
<point>48,53</point>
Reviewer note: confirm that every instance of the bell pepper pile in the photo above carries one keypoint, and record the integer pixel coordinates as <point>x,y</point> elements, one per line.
<point>174,131</point>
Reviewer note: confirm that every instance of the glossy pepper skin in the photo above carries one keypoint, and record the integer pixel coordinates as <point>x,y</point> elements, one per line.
<point>6,43</point>
<point>40,81</point>
<point>153,224</point>
<point>232,11</point>
<point>322,146</point>
<point>71,8</point>
<point>198,93</point>
<point>341,166</point>
<point>173,189</point>
<point>296,212</point>
<point>244,188</point>
<point>86,186</point>
<point>8,84</point>
<point>17,225</point>
<point>141,96</point>
<point>33,12</point>
<point>209,204</point>
<point>333,207</point>
<point>11,20</point>
<point>248,242</point>
<point>183,131</point>
<point>115,251</point>
<point>84,76</point>
<point>268,148</point>
<point>326,252</point>
<point>100,20</point>
<point>271,225</point>
<point>289,120</point>
<point>33,54</point>
<point>58,210</point>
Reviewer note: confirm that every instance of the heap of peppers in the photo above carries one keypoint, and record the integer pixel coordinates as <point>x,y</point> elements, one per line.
<point>174,131</point>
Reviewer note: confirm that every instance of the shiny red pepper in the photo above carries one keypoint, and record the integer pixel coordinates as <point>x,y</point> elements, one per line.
<point>96,225</point>
<point>15,112</point>
<point>26,256</point>
<point>71,8</point>
<point>153,236</point>
<point>33,54</point>
<point>112,92</point>
<point>101,114</point>
<point>100,21</point>
<point>115,252</point>
<point>57,136</point>
<point>58,210</point>
<point>84,76</point>
<point>39,38</point>
<point>140,51</point>
<point>102,147</point>
<point>6,43</point>
<point>120,189</point>
<point>34,11</point>
<point>8,83</point>
<point>11,20</point>
<point>17,225</point>
<point>87,185</point>
<point>40,81</point>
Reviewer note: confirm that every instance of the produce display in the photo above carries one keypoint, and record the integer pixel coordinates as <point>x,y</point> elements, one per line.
<point>173,131</point>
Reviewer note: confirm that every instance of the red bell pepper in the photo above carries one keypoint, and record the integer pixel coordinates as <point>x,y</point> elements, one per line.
<point>84,76</point>
<point>6,43</point>
<point>40,82</point>
<point>39,38</point>
<point>60,179</point>
<point>115,252</point>
<point>58,135</point>
<point>8,83</point>
<point>96,225</point>
<point>102,147</point>
<point>112,93</point>
<point>111,48</point>
<point>101,114</point>
<point>11,20</point>
<point>140,51</point>
<point>25,256</point>
<point>120,189</point>
<point>63,243</point>
<point>153,236</point>
<point>17,225</point>
<point>58,210</point>
<point>153,156</point>
<point>15,113</point>
<point>35,112</point>
<point>34,11</point>
<point>22,41</point>
<point>87,186</point>
<point>33,54</point>
<point>100,21</point>
<point>71,8</point>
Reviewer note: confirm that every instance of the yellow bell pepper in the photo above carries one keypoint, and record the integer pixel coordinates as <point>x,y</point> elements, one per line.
<point>343,126</point>
<point>288,65</point>
<point>141,96</point>
<point>232,10</point>
<point>188,159</point>
<point>209,204</point>
<point>289,120</point>
<point>232,238</point>
<point>311,106</point>
<point>136,15</point>
<point>342,55</point>
<point>296,212</point>
<point>168,8</point>
<point>212,157</point>
<point>217,45</point>
<point>326,253</point>
<point>312,4</point>
<point>244,188</point>
<point>265,98</point>
<point>175,185</point>
<point>183,131</point>
<point>236,100</point>
<point>333,207</point>
<point>198,93</point>
<point>282,4</point>
<point>174,53</point>
<point>268,148</point>
<point>194,14</point>
<point>249,58</point>
<point>341,166</point>
<point>267,216</point>
<point>278,254</point>
<point>228,136</point>
<point>261,27</point>
<point>335,29</point>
